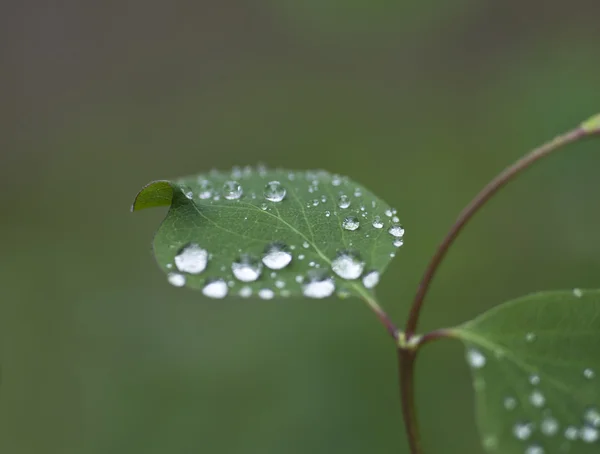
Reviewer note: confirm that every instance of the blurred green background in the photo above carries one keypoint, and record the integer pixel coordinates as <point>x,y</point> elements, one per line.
<point>421,101</point>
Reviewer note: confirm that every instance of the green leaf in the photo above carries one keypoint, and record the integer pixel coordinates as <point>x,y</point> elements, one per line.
<point>272,233</point>
<point>536,371</point>
<point>592,125</point>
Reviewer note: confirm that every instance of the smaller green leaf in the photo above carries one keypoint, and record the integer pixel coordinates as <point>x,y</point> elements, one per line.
<point>592,125</point>
<point>536,370</point>
<point>154,194</point>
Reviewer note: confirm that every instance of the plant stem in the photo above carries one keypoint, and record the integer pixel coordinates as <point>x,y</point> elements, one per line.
<point>479,201</point>
<point>406,365</point>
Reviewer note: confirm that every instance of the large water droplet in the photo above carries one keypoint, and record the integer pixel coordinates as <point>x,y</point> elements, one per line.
<point>396,230</point>
<point>371,279</point>
<point>216,288</point>
<point>246,268</point>
<point>266,294</point>
<point>589,434</point>
<point>475,358</point>
<point>274,191</point>
<point>232,190</point>
<point>176,279</point>
<point>318,285</point>
<point>351,223</point>
<point>191,259</point>
<point>377,222</point>
<point>348,265</point>
<point>205,189</point>
<point>277,256</point>
<point>344,201</point>
<point>522,430</point>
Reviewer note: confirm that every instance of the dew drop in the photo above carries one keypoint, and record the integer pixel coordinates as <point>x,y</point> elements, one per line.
<point>589,434</point>
<point>490,442</point>
<point>396,219</point>
<point>475,358</point>
<point>176,279</point>
<point>571,433</point>
<point>388,213</point>
<point>396,230</point>
<point>589,373</point>
<point>305,245</point>
<point>577,292</point>
<point>216,288</point>
<point>191,259</point>
<point>348,265</point>
<point>510,403</point>
<point>206,189</point>
<point>537,399</point>
<point>280,284</point>
<point>351,223</point>
<point>299,279</point>
<point>549,426</point>
<point>264,206</point>
<point>301,257</point>
<point>344,201</point>
<point>246,268</point>
<point>398,242</point>
<point>592,416</point>
<point>266,294</point>
<point>371,279</point>
<point>534,449</point>
<point>318,285</point>
<point>232,190</point>
<point>274,191</point>
<point>276,256</point>
<point>336,180</point>
<point>245,292</point>
<point>534,380</point>
<point>327,214</point>
<point>530,337</point>
<point>522,430</point>
<point>315,203</point>
<point>377,222</point>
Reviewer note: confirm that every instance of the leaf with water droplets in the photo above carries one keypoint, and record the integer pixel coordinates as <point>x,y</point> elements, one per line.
<point>272,233</point>
<point>535,362</point>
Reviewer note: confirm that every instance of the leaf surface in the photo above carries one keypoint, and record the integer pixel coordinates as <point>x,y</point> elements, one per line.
<point>536,365</point>
<point>272,233</point>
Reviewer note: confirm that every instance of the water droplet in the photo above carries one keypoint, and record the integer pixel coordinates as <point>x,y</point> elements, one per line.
<point>274,191</point>
<point>266,294</point>
<point>571,433</point>
<point>357,192</point>
<point>264,206</point>
<point>245,292</point>
<point>537,399</point>
<point>169,265</point>
<point>348,265</point>
<point>396,219</point>
<point>299,279</point>
<point>232,190</point>
<point>396,231</point>
<point>327,214</point>
<point>344,201</point>
<point>323,198</point>
<point>530,337</point>
<point>549,426</point>
<point>534,380</point>
<point>206,190</point>
<point>246,268</point>
<point>534,449</point>
<point>336,180</point>
<point>191,259</point>
<point>522,430</point>
<point>377,222</point>
<point>490,442</point>
<point>388,213</point>
<point>592,416</point>
<point>475,358</point>
<point>301,257</point>
<point>216,288</point>
<point>189,194</point>
<point>176,279</point>
<point>318,285</point>
<point>305,245</point>
<point>398,242</point>
<point>589,374</point>
<point>371,279</point>
<point>277,256</point>
<point>510,403</point>
<point>589,434</point>
<point>577,292</point>
<point>280,284</point>
<point>315,203</point>
<point>351,223</point>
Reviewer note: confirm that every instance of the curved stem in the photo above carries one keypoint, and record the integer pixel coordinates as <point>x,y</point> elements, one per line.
<point>587,129</point>
<point>406,365</point>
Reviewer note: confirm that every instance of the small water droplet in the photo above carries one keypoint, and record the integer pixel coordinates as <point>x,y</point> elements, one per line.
<point>377,222</point>
<point>577,292</point>
<point>206,189</point>
<point>510,403</point>
<point>327,214</point>
<point>351,223</point>
<point>191,259</point>
<point>318,285</point>
<point>274,191</point>
<point>589,373</point>
<point>398,242</point>
<point>357,192</point>
<point>299,279</point>
<point>323,198</point>
<point>276,256</point>
<point>215,288</point>
<point>523,430</point>
<point>232,190</point>
<point>537,399</point>
<point>530,337</point>
<point>188,194</point>
<point>371,279</point>
<point>169,265</point>
<point>475,358</point>
<point>245,292</point>
<point>396,231</point>
<point>266,294</point>
<point>336,180</point>
<point>344,201</point>
<point>396,219</point>
<point>315,203</point>
<point>301,257</point>
<point>534,379</point>
<point>264,206</point>
<point>592,416</point>
<point>176,279</point>
<point>280,284</point>
<point>305,245</point>
<point>246,268</point>
<point>388,213</point>
<point>589,434</point>
<point>534,449</point>
<point>549,426</point>
<point>571,433</point>
<point>348,265</point>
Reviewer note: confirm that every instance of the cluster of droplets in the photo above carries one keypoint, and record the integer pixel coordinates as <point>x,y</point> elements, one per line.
<point>587,431</point>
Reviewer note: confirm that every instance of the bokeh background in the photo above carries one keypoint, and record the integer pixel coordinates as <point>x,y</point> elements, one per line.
<point>421,101</point>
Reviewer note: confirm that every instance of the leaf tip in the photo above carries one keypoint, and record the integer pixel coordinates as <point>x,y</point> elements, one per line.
<point>592,125</point>
<point>154,194</point>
